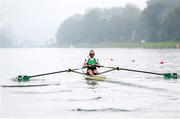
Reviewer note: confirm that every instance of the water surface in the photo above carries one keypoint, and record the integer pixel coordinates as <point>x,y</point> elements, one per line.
<point>67,95</point>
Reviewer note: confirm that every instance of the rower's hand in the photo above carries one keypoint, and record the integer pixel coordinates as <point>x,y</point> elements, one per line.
<point>87,66</point>
<point>94,66</point>
<point>91,66</point>
<point>98,66</point>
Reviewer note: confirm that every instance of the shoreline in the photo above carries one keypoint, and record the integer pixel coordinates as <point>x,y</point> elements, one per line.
<point>151,45</point>
<point>146,45</point>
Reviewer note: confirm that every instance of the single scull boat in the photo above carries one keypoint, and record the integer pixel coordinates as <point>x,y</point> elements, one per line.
<point>95,77</point>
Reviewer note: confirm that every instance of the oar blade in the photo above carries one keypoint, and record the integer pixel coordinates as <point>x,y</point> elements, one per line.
<point>175,76</point>
<point>23,78</point>
<point>170,76</point>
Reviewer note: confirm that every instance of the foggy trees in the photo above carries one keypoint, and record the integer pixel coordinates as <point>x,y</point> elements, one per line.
<point>158,22</point>
<point>99,25</point>
<point>161,19</point>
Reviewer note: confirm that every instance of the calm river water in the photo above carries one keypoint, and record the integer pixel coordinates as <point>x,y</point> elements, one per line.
<point>67,95</point>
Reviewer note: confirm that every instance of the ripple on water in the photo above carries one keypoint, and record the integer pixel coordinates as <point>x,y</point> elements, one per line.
<point>102,110</point>
<point>135,85</point>
<point>96,98</point>
<point>29,85</point>
<point>45,92</point>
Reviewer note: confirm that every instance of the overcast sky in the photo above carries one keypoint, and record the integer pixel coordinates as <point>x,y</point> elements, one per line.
<point>39,19</point>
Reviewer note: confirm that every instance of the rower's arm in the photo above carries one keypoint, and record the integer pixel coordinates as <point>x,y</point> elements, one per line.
<point>98,64</point>
<point>85,63</point>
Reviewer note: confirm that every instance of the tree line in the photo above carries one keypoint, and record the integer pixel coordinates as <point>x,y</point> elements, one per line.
<point>5,39</point>
<point>159,21</point>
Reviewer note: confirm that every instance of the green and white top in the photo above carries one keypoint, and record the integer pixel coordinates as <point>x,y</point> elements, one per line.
<point>91,61</point>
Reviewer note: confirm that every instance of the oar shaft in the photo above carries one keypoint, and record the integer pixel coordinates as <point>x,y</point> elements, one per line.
<point>68,70</point>
<point>147,72</point>
<point>49,73</point>
<point>132,70</point>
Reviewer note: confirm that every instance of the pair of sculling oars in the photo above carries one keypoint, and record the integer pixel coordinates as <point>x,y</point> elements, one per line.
<point>166,75</point>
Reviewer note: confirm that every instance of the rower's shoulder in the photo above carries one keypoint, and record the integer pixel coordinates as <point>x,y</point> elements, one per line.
<point>87,58</point>
<point>96,58</point>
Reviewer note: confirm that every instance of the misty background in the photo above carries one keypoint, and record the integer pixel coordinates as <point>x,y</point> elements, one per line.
<point>59,23</point>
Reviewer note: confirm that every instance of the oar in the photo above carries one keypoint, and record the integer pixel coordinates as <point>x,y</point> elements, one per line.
<point>27,78</point>
<point>166,75</point>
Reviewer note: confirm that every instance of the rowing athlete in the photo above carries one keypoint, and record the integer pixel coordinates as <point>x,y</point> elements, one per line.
<point>91,63</point>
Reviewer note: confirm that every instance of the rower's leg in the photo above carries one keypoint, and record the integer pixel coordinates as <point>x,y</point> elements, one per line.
<point>95,72</point>
<point>89,72</point>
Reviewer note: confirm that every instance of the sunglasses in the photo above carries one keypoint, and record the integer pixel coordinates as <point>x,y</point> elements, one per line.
<point>91,54</point>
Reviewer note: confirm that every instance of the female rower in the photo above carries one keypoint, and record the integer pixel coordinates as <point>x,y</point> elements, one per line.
<point>91,63</point>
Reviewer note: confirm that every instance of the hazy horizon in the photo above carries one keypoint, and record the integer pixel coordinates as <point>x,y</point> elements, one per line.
<point>38,20</point>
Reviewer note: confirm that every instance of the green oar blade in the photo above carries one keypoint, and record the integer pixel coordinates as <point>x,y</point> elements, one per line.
<point>170,75</point>
<point>175,76</point>
<point>23,78</point>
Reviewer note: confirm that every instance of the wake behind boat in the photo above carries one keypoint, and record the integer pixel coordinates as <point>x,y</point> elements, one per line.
<point>28,84</point>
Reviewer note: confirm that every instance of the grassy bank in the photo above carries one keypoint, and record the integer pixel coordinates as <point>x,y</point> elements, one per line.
<point>169,44</point>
